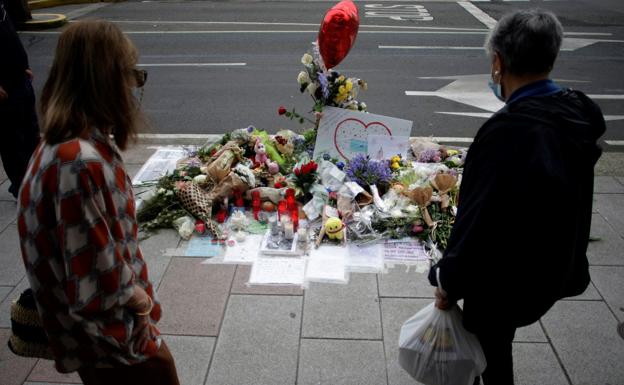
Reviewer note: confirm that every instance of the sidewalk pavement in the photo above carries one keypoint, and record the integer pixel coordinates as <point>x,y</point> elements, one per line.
<point>222,332</point>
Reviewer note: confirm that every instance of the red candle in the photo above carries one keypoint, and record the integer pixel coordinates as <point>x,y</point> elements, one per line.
<point>282,207</point>
<point>294,216</point>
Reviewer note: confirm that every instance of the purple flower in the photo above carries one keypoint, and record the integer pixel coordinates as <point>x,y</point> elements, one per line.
<point>322,77</point>
<point>250,129</point>
<point>429,156</point>
<point>367,172</point>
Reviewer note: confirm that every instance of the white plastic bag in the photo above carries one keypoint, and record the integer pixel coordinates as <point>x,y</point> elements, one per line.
<point>435,349</point>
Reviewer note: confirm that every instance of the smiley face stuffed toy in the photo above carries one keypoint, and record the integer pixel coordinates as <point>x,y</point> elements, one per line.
<point>334,228</point>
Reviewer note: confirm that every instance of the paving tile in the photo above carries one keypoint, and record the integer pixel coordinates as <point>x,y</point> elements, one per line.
<point>611,207</point>
<point>620,179</point>
<point>590,294</point>
<point>530,333</point>
<point>583,334</point>
<point>608,281</point>
<point>242,277</point>
<point>5,195</point>
<point>607,250</point>
<point>394,312</point>
<point>608,185</point>
<point>194,296</point>
<point>343,311</point>
<point>5,305</point>
<point>44,371</point>
<point>10,257</point>
<point>7,213</point>
<point>401,281</point>
<point>13,369</point>
<point>259,341</point>
<point>341,362</point>
<point>4,292</point>
<point>192,357</point>
<point>153,249</point>
<point>536,364</point>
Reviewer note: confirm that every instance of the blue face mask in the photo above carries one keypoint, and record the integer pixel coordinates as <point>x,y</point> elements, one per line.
<point>497,90</point>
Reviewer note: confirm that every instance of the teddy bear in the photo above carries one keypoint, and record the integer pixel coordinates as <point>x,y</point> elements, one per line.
<point>261,158</point>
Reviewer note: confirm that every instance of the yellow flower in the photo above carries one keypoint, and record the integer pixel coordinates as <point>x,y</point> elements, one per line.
<point>349,86</point>
<point>395,165</point>
<point>341,78</point>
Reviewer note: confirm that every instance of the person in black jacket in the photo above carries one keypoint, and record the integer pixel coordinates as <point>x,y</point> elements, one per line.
<point>520,237</point>
<point>19,128</point>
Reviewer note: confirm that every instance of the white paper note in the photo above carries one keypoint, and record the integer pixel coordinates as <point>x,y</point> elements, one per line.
<point>163,161</point>
<point>278,271</point>
<point>366,258</point>
<point>405,251</point>
<point>328,264</point>
<point>243,252</point>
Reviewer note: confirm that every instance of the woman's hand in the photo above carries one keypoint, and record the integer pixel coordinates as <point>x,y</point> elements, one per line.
<point>442,302</point>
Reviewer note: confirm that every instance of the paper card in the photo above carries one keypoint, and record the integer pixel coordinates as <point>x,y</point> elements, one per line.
<point>202,247</point>
<point>405,251</point>
<point>327,264</point>
<point>162,162</point>
<point>365,258</point>
<point>343,133</point>
<point>243,252</point>
<point>382,147</point>
<point>278,271</point>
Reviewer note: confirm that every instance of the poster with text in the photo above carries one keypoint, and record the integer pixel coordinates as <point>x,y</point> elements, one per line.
<point>344,133</point>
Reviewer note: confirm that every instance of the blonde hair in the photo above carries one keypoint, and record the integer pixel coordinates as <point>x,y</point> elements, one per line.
<point>90,84</point>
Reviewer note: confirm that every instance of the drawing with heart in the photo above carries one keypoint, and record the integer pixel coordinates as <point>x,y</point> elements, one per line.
<point>351,136</point>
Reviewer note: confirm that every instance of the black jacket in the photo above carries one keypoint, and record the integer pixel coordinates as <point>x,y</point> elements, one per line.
<point>14,62</point>
<point>520,238</point>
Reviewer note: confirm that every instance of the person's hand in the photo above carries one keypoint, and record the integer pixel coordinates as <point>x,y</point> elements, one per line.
<point>3,94</point>
<point>442,302</point>
<point>29,74</point>
<point>142,333</point>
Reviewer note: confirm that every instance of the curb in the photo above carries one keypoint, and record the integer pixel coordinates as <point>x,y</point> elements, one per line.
<point>43,21</point>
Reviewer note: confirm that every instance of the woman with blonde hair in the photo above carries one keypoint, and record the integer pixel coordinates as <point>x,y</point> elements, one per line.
<point>76,216</point>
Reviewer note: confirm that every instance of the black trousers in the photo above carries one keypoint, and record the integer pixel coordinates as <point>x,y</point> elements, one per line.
<point>19,133</point>
<point>496,345</point>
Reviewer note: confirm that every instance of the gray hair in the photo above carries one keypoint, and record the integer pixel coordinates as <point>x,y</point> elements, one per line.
<point>527,41</point>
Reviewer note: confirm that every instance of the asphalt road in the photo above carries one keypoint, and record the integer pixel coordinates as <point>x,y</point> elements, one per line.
<point>215,66</point>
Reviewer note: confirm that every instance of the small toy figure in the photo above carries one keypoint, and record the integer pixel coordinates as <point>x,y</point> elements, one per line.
<point>334,229</point>
<point>261,157</point>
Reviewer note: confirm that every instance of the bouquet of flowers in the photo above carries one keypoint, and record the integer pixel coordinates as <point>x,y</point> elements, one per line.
<point>328,87</point>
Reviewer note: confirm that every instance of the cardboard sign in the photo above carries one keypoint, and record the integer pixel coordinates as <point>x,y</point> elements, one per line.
<point>344,133</point>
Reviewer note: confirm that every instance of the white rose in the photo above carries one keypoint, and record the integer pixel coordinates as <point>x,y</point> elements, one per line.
<point>312,88</point>
<point>203,169</point>
<point>169,193</point>
<point>303,78</point>
<point>161,191</point>
<point>306,59</point>
<point>200,179</point>
<point>362,105</point>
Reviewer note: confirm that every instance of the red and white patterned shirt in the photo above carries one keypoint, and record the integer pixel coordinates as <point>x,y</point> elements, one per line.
<point>78,231</point>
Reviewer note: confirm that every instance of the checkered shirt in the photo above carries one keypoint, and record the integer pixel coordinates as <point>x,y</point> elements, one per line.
<point>78,236</point>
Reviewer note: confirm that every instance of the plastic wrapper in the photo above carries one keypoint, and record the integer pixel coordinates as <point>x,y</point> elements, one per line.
<point>435,349</point>
<point>185,226</point>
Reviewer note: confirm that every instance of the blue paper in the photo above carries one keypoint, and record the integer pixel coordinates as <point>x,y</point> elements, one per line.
<point>203,247</point>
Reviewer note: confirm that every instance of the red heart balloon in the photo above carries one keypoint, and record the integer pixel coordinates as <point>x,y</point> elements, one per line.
<point>338,31</point>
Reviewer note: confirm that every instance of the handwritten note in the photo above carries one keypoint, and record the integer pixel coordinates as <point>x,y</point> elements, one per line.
<point>243,252</point>
<point>278,271</point>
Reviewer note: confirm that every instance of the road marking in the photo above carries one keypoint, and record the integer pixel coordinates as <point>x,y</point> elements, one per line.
<point>84,10</point>
<point>615,142</point>
<point>483,17</point>
<point>428,47</point>
<point>398,12</point>
<point>192,64</point>
<point>472,90</point>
